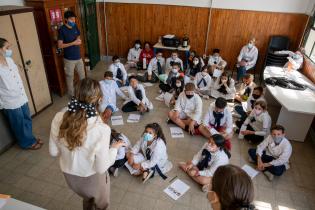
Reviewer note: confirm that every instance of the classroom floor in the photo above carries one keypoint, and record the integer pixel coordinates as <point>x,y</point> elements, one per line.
<point>35,177</point>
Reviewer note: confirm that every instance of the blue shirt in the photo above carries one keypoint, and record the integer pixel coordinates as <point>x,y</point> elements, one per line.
<point>68,35</point>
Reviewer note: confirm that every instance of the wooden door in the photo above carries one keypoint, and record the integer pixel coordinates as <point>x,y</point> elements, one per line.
<point>28,39</point>
<point>7,32</point>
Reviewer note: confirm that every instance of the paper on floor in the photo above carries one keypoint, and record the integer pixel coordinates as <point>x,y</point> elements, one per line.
<point>250,171</point>
<point>176,189</point>
<point>117,120</point>
<point>133,118</point>
<point>177,132</point>
<point>147,84</point>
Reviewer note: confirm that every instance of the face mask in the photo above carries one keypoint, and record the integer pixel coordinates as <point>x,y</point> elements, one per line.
<point>147,137</point>
<point>196,62</point>
<point>107,81</point>
<point>295,56</point>
<point>137,46</point>
<point>250,45</point>
<point>255,96</point>
<point>174,57</point>
<point>277,139</point>
<point>257,112</point>
<point>8,53</point>
<point>71,24</point>
<point>223,80</point>
<point>174,71</point>
<point>117,62</point>
<point>178,84</point>
<point>204,74</point>
<point>159,58</point>
<point>189,96</point>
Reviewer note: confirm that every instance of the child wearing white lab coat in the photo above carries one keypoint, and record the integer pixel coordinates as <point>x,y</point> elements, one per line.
<point>109,89</point>
<point>138,99</point>
<point>188,110</point>
<point>246,89</point>
<point>133,55</point>
<point>192,70</point>
<point>224,87</point>
<point>216,62</point>
<point>149,155</point>
<point>203,165</point>
<point>119,72</point>
<point>203,83</point>
<point>173,59</point>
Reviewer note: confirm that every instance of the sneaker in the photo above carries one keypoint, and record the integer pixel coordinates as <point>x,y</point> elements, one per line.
<point>205,188</point>
<point>115,172</point>
<point>160,97</point>
<point>269,175</point>
<point>147,175</point>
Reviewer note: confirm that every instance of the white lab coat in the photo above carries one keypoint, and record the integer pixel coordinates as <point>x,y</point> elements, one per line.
<point>133,97</point>
<point>207,78</point>
<point>153,66</point>
<point>261,125</point>
<point>250,101</point>
<point>109,95</point>
<point>121,153</point>
<point>222,63</point>
<point>250,55</point>
<point>133,54</point>
<point>113,68</point>
<point>219,158</point>
<point>177,60</point>
<point>230,90</point>
<point>189,107</point>
<point>243,87</point>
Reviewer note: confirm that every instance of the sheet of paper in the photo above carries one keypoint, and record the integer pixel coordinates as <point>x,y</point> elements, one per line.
<point>133,118</point>
<point>244,105</point>
<point>176,189</point>
<point>117,120</point>
<point>177,132</point>
<point>140,74</point>
<point>147,84</point>
<point>213,131</point>
<point>250,171</point>
<point>169,36</point>
<point>217,73</point>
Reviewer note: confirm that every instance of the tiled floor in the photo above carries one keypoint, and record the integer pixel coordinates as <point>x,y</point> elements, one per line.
<point>35,177</point>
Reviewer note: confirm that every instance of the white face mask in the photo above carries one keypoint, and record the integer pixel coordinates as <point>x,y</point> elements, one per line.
<point>257,111</point>
<point>174,57</point>
<point>204,74</point>
<point>137,46</point>
<point>196,62</point>
<point>178,84</point>
<point>174,70</point>
<point>250,45</point>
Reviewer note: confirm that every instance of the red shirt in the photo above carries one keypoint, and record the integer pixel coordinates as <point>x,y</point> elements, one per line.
<point>148,55</point>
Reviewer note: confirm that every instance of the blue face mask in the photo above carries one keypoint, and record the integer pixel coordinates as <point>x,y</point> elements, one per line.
<point>107,81</point>
<point>147,137</point>
<point>71,24</point>
<point>8,53</point>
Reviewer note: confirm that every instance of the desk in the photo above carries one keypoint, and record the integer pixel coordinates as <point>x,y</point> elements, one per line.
<point>180,48</point>
<point>297,107</point>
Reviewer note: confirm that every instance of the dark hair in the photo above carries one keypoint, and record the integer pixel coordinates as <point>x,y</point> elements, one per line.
<point>216,50</point>
<point>2,42</point>
<point>137,41</point>
<point>204,67</point>
<point>175,51</point>
<point>278,128</point>
<point>176,64</point>
<point>259,88</point>
<point>190,86</point>
<point>234,188</point>
<point>247,76</point>
<point>69,14</point>
<point>198,65</point>
<point>224,74</point>
<point>157,129</point>
<point>158,51</point>
<point>114,135</point>
<point>220,103</point>
<point>132,77</point>
<point>262,104</point>
<point>115,57</point>
<point>108,74</point>
<point>219,140</point>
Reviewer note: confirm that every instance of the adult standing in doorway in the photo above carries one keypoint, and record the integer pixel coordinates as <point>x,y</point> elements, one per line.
<point>69,40</point>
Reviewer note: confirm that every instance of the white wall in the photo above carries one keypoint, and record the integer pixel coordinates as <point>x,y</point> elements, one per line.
<point>12,2</point>
<point>290,6</point>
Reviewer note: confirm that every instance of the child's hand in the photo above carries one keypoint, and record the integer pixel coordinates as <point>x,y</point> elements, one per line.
<point>136,166</point>
<point>118,144</point>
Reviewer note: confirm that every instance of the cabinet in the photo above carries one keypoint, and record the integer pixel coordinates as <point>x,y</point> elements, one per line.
<point>18,27</point>
<point>48,33</point>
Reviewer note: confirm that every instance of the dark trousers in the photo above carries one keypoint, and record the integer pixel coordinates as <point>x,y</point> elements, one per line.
<point>165,87</point>
<point>239,109</point>
<point>275,170</point>
<point>241,71</point>
<point>21,124</point>
<point>130,107</point>
<point>119,163</point>
<point>251,137</point>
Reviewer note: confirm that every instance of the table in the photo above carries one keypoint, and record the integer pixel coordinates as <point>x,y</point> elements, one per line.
<point>297,107</point>
<point>180,48</point>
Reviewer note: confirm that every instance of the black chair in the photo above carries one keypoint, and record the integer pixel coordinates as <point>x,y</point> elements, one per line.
<point>278,43</point>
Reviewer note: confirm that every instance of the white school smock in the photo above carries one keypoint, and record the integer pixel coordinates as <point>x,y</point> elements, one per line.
<point>191,107</point>
<point>219,158</point>
<point>113,68</point>
<point>158,154</point>
<point>12,92</point>
<point>261,125</point>
<point>219,60</point>
<point>249,102</point>
<point>226,121</point>
<point>123,150</point>
<point>207,78</point>
<point>94,156</point>
<point>281,152</point>
<point>134,54</point>
<point>145,100</point>
<point>230,90</point>
<point>109,95</point>
<point>153,65</point>
<point>250,55</point>
<point>243,88</point>
<point>177,60</point>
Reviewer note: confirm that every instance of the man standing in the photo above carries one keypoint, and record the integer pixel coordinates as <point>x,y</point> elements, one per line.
<point>69,40</point>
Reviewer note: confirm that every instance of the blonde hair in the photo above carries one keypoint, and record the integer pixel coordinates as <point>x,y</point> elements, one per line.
<point>74,124</point>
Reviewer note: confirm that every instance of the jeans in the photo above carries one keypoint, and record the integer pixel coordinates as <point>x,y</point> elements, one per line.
<point>21,124</point>
<point>241,71</point>
<point>275,170</point>
<point>239,109</point>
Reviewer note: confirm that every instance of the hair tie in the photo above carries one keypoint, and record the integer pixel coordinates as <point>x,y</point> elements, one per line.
<point>74,105</point>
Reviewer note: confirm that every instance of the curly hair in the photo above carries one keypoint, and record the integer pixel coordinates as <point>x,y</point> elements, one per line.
<point>74,124</point>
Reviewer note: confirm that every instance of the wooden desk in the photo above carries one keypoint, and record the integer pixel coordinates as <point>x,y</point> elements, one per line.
<point>297,107</point>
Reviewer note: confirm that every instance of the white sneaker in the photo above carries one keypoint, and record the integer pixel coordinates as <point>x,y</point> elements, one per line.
<point>115,173</point>
<point>147,176</point>
<point>269,175</point>
<point>160,97</point>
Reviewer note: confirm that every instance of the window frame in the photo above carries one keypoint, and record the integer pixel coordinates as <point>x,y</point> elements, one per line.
<point>310,27</point>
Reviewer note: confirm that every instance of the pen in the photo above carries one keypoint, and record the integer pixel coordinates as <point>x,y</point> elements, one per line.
<point>173,179</point>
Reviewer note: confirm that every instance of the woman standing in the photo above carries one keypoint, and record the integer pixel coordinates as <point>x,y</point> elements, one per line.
<point>13,100</point>
<point>81,139</point>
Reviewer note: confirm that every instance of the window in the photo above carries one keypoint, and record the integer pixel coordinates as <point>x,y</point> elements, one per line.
<point>309,40</point>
